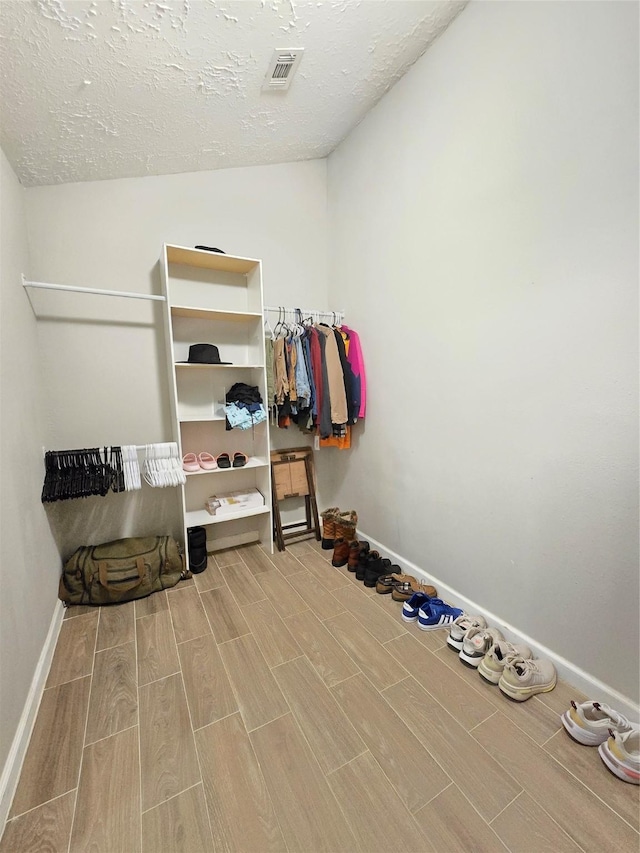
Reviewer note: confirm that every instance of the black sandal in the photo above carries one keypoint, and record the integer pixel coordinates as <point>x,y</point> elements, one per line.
<point>223,460</point>
<point>240,459</point>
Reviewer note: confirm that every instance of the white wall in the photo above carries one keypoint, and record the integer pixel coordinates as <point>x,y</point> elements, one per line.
<point>484,240</point>
<point>105,368</point>
<point>29,562</point>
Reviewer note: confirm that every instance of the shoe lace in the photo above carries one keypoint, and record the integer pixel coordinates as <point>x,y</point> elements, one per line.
<point>522,665</point>
<point>622,723</point>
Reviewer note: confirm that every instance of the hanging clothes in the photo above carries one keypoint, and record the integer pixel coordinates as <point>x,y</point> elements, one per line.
<point>356,360</point>
<point>303,389</point>
<point>339,413</point>
<point>342,442</point>
<point>324,411</point>
<point>281,379</point>
<point>347,375</point>
<point>306,347</point>
<point>271,381</point>
<point>318,379</point>
<point>291,358</point>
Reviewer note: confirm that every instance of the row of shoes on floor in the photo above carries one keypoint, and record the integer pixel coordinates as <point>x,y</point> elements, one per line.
<point>510,666</point>
<point>339,534</point>
<point>519,676</point>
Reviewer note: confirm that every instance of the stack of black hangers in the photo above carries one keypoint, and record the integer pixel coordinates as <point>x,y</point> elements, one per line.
<point>81,473</point>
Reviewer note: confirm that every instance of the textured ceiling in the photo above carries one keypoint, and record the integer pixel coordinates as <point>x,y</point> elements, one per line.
<point>99,89</point>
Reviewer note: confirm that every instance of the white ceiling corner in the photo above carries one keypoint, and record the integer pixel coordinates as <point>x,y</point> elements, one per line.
<point>101,89</point>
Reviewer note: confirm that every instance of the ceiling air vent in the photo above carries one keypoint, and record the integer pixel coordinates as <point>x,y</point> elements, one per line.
<point>282,68</point>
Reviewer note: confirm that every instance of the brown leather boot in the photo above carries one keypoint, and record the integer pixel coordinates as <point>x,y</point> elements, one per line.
<point>358,549</point>
<point>354,555</point>
<point>340,553</point>
<point>329,527</point>
<point>346,525</point>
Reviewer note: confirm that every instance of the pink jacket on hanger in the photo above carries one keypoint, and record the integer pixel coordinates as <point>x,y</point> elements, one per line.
<point>356,360</point>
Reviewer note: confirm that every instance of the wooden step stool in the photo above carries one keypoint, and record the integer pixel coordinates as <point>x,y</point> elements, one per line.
<point>292,476</point>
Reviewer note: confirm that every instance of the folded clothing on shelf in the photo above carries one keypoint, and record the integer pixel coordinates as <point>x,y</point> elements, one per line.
<point>244,407</point>
<point>244,417</point>
<point>232,502</point>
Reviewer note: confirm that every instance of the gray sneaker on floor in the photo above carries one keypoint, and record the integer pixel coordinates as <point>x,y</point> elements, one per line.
<point>523,678</point>
<point>460,627</point>
<point>492,664</point>
<point>476,643</point>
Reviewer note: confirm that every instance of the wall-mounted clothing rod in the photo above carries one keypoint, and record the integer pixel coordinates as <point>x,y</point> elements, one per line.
<point>43,285</point>
<point>138,447</point>
<point>291,313</point>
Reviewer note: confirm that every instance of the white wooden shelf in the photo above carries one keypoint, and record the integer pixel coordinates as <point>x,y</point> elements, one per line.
<point>213,314</point>
<point>254,462</point>
<point>199,517</point>
<point>216,297</point>
<point>209,260</point>
<point>190,366</point>
<point>215,419</point>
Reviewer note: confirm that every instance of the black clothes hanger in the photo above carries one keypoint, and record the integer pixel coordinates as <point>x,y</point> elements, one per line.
<point>73,474</point>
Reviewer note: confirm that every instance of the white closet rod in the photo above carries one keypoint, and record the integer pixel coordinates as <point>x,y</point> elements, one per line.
<point>124,293</point>
<point>306,312</point>
<point>137,446</point>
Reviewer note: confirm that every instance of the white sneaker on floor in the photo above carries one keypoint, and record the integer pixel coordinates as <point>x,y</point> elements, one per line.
<point>492,664</point>
<point>460,628</point>
<point>589,722</point>
<point>621,754</point>
<point>523,678</point>
<point>476,643</point>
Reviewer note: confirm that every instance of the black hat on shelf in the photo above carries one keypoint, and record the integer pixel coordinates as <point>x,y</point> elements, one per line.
<point>210,249</point>
<point>204,354</point>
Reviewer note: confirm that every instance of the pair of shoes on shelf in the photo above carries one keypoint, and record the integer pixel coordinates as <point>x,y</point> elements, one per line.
<point>618,740</point>
<point>430,613</point>
<point>239,460</point>
<point>207,462</point>
<point>402,587</point>
<point>338,525</point>
<point>201,462</point>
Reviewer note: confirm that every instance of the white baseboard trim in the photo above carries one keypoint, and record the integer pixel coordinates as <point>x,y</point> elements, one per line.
<point>15,759</point>
<point>569,672</point>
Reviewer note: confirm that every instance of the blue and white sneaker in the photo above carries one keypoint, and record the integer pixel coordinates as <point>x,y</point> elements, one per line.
<point>411,607</point>
<point>436,614</point>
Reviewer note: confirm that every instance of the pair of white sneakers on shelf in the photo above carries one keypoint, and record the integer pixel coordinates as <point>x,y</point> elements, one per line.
<point>618,740</point>
<point>510,666</point>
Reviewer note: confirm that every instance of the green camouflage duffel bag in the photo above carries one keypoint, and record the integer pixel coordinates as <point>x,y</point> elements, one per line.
<point>121,570</point>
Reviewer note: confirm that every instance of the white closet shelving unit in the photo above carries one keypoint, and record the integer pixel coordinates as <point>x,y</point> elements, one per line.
<point>217,299</point>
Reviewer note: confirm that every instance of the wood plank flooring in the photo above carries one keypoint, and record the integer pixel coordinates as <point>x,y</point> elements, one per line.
<point>275,704</point>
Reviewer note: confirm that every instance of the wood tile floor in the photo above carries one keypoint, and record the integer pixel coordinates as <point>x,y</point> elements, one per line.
<point>276,704</point>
